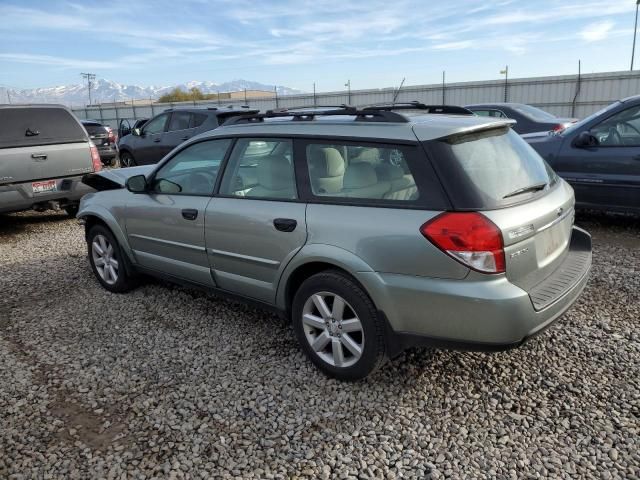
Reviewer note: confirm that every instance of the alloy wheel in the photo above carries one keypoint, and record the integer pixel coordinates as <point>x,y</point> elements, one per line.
<point>333,329</point>
<point>104,259</point>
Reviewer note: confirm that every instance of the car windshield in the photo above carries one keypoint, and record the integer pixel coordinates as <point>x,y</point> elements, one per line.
<point>534,113</point>
<point>584,121</point>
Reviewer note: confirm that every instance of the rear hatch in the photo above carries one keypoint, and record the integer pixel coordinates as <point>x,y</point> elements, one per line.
<point>99,134</point>
<point>41,143</point>
<point>494,172</point>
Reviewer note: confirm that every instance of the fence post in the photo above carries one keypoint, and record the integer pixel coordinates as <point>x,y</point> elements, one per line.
<point>115,104</point>
<point>575,97</point>
<point>133,106</point>
<point>100,110</point>
<point>444,87</point>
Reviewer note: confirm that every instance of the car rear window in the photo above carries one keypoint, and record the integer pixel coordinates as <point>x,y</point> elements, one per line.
<point>484,170</point>
<point>23,127</point>
<point>197,119</point>
<point>94,128</point>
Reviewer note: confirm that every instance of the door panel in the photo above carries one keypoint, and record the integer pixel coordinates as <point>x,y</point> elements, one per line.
<point>164,240</point>
<point>246,252</point>
<point>148,148</point>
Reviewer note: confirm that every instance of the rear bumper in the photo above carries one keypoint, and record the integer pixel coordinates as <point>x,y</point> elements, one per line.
<point>478,313</point>
<point>107,151</point>
<point>20,196</point>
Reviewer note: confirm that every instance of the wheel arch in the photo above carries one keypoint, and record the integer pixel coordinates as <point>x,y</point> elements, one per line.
<point>313,259</point>
<point>101,216</point>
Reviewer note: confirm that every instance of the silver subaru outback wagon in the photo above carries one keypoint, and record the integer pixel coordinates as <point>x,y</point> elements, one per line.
<point>370,230</point>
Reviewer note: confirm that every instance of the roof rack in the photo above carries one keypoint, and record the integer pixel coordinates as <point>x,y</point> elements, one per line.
<point>415,105</point>
<point>309,113</point>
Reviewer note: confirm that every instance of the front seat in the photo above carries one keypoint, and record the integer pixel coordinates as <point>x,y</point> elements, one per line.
<point>275,178</point>
<point>326,170</point>
<point>361,181</point>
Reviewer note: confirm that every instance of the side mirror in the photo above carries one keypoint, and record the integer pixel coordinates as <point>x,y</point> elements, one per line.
<point>137,132</point>
<point>137,184</point>
<point>585,140</point>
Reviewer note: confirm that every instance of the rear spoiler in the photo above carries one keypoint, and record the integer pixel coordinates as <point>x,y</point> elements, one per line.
<point>477,129</point>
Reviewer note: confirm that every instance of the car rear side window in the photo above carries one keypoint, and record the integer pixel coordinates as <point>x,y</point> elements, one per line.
<point>487,169</point>
<point>22,127</point>
<point>197,119</point>
<point>361,171</point>
<point>179,121</point>
<point>260,168</point>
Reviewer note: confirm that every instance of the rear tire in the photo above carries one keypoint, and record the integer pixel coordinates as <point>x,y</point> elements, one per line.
<point>338,326</point>
<point>109,264</point>
<point>127,160</point>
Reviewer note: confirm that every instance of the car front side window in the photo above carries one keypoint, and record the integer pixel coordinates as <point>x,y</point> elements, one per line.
<point>192,171</point>
<point>156,125</point>
<point>620,129</point>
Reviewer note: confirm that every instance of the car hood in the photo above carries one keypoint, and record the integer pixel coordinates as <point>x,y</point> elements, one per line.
<point>114,178</point>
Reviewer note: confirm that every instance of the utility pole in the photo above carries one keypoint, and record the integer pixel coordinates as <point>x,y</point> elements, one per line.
<point>635,30</point>
<point>90,77</point>
<point>348,85</point>
<point>505,72</point>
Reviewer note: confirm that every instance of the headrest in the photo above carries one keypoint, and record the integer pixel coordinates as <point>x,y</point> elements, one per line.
<point>368,155</point>
<point>360,175</point>
<point>389,172</point>
<point>325,162</point>
<point>275,172</point>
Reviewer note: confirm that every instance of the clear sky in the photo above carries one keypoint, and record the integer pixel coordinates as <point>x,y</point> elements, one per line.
<point>374,43</point>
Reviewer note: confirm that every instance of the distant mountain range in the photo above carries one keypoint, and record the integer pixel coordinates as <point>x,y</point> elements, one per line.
<point>104,91</point>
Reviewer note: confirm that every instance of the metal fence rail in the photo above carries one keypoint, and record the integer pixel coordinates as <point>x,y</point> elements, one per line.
<point>564,95</point>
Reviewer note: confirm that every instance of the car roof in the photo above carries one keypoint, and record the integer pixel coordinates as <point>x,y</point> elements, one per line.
<point>423,126</point>
<point>212,110</point>
<point>496,104</point>
<point>632,98</point>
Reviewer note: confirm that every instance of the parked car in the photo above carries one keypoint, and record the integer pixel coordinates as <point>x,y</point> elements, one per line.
<point>372,231</point>
<point>599,156</point>
<point>529,119</point>
<point>44,151</point>
<point>125,128</point>
<point>104,139</point>
<point>162,133</point>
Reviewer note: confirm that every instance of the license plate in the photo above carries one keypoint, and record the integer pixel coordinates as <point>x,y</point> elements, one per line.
<point>551,242</point>
<point>44,187</point>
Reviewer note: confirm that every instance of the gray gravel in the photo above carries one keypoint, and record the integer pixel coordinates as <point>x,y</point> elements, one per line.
<point>170,382</point>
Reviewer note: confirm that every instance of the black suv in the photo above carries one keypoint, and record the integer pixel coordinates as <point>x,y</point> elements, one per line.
<point>104,139</point>
<point>162,133</point>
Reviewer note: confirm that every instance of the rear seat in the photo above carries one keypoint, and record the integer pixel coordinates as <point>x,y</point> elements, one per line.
<point>361,181</point>
<point>403,187</point>
<point>326,168</point>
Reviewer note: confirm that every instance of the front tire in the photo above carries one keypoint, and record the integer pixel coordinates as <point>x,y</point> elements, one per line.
<point>127,160</point>
<point>108,262</point>
<point>338,326</point>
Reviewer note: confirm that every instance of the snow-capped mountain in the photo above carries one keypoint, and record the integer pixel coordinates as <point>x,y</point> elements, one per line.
<point>110,91</point>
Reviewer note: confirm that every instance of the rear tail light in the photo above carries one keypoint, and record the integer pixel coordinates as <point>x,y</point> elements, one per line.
<point>468,237</point>
<point>559,127</point>
<point>95,158</point>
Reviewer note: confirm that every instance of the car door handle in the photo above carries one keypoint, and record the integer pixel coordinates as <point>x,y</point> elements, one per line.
<point>285,224</point>
<point>189,213</point>
<point>156,140</point>
<point>39,156</point>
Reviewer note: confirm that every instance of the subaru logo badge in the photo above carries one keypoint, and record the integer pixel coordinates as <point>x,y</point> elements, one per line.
<point>559,211</point>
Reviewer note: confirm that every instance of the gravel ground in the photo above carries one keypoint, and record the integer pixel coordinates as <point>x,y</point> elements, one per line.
<point>170,382</point>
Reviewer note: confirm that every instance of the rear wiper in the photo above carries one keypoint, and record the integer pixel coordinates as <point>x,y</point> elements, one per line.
<point>531,188</point>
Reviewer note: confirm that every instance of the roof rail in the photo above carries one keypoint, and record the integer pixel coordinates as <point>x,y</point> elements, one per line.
<point>310,113</point>
<point>415,105</point>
